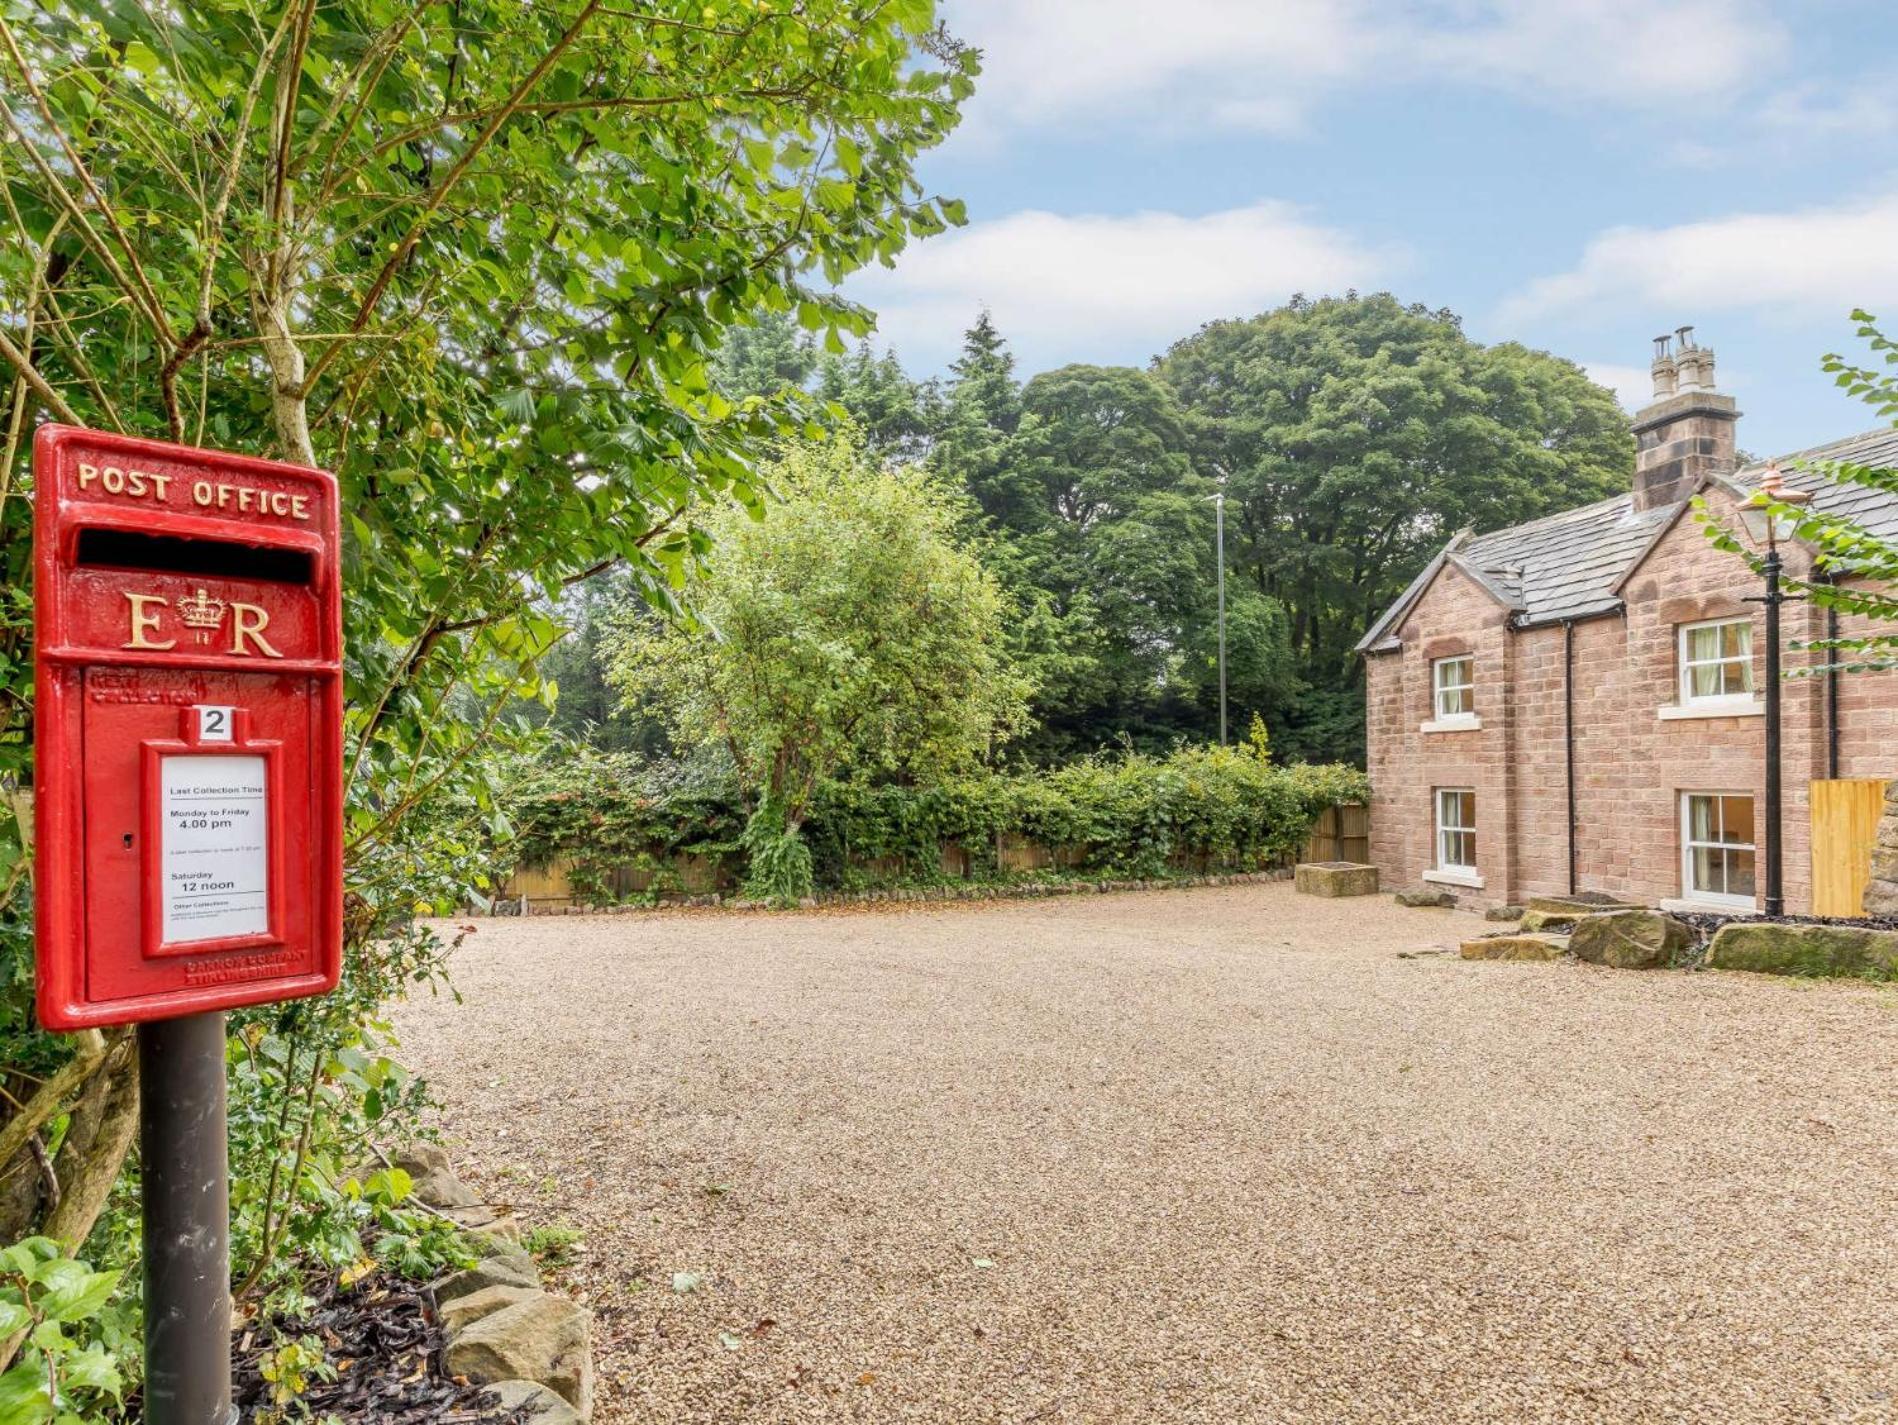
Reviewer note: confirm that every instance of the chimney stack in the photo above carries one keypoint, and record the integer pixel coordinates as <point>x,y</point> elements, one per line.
<point>1685,434</point>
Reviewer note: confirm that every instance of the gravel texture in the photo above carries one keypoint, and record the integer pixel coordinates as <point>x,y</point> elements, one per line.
<point>1224,1155</point>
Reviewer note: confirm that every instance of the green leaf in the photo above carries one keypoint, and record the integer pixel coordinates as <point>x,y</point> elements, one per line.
<point>23,1398</point>
<point>92,1369</point>
<point>80,1297</point>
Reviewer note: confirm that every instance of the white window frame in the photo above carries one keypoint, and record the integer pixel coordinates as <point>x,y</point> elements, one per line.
<point>1685,666</point>
<point>1455,873</point>
<point>1452,719</point>
<point>1694,895</point>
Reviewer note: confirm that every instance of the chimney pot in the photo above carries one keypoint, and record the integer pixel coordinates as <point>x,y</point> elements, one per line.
<point>1663,369</point>
<point>1686,434</point>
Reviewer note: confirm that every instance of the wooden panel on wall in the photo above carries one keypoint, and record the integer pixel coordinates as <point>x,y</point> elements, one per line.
<point>1845,817</point>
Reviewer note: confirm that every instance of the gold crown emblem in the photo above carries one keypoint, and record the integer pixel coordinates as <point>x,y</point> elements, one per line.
<point>201,611</point>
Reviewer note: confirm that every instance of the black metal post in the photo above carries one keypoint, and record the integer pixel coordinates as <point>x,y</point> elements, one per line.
<point>1219,516</point>
<point>184,1156</point>
<point>1775,899</point>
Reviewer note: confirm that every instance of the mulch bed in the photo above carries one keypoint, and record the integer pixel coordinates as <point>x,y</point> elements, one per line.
<point>387,1349</point>
<point>1704,925</point>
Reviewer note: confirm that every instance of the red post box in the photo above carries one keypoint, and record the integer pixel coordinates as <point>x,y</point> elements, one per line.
<point>189,729</point>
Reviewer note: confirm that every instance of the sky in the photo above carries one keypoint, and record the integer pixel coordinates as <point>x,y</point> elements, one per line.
<point>1577,175</point>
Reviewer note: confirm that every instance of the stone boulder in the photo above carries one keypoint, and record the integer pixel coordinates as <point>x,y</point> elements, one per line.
<point>483,1226</point>
<point>1516,947</point>
<point>463,1311</point>
<point>1504,912</point>
<point>1540,920</point>
<point>1805,949</point>
<point>1425,896</point>
<point>543,1407</point>
<point>502,1269</point>
<point>1630,939</point>
<point>1581,903</point>
<point>547,1339</point>
<point>434,1177</point>
<point>1334,878</point>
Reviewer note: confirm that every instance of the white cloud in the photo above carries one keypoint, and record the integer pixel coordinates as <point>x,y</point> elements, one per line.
<point>1633,51</point>
<point>1790,119</point>
<point>1863,111</point>
<point>1262,64</point>
<point>1046,61</point>
<point>1633,385</point>
<point>1100,288</point>
<point>1820,261</point>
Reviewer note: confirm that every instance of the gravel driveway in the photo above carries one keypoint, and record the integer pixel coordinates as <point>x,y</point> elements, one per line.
<point>1212,1156</point>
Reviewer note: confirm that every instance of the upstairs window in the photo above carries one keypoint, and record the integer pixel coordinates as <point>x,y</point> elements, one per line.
<point>1455,682</point>
<point>1717,849</point>
<point>1716,661</point>
<point>1456,829</point>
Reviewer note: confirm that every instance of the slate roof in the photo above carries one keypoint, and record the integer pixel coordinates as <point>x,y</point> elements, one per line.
<point>1571,565</point>
<point>1875,510</point>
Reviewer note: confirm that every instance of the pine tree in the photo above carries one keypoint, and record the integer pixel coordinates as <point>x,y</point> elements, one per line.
<point>765,357</point>
<point>983,412</point>
<point>985,377</point>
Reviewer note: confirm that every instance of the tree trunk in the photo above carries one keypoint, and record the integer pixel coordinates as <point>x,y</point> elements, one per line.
<point>104,1126</point>
<point>273,299</point>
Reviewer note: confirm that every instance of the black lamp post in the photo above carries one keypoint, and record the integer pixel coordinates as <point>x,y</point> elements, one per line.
<point>1765,526</point>
<point>1219,517</point>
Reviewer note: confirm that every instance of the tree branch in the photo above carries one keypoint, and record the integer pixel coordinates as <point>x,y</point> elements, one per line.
<point>154,309</point>
<point>439,195</point>
<point>52,1094</point>
<point>56,403</point>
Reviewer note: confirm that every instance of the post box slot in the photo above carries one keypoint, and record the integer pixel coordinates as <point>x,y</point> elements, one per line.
<point>129,549</point>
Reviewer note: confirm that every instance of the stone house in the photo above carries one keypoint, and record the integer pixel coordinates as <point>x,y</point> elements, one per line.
<point>1574,704</point>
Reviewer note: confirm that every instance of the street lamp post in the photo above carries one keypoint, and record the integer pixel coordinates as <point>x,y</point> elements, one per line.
<point>1219,524</point>
<point>1764,525</point>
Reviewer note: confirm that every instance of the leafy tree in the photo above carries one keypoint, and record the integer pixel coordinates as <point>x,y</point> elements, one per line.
<point>1098,440</point>
<point>586,707</point>
<point>475,258</point>
<point>1108,533</point>
<point>849,629</point>
<point>1855,570</point>
<point>1353,435</point>
<point>1126,519</point>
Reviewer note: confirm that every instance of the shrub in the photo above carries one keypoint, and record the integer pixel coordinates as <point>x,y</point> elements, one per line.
<point>1199,809</point>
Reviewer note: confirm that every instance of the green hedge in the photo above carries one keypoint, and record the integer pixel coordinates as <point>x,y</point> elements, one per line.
<point>1124,817</point>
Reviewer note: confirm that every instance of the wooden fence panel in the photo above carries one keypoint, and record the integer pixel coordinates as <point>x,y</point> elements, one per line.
<point>538,883</point>
<point>1340,834</point>
<point>1845,817</point>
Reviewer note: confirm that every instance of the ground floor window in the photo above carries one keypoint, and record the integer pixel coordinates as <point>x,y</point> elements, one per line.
<point>1456,829</point>
<point>1717,848</point>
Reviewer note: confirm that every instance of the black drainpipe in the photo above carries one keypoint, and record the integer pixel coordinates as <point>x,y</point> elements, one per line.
<point>1832,689</point>
<point>1568,737</point>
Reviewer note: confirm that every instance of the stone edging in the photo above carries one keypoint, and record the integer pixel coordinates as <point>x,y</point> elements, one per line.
<point>972,891</point>
<point>529,1346</point>
<point>1636,938</point>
